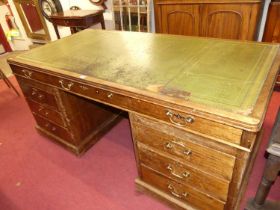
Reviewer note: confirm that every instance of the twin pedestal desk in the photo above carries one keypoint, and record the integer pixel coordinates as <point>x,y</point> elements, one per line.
<point>196,106</point>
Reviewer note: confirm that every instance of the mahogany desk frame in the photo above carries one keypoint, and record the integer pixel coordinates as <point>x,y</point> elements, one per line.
<point>165,134</point>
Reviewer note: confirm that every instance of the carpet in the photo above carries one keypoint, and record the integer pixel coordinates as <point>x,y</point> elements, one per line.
<point>36,174</point>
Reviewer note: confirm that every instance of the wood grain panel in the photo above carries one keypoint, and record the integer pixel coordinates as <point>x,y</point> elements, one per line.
<point>198,156</point>
<point>183,173</point>
<point>227,21</point>
<point>186,18</point>
<point>181,192</point>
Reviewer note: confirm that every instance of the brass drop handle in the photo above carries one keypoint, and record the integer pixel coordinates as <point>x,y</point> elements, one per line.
<point>178,119</point>
<point>173,192</point>
<point>66,86</point>
<point>170,145</point>
<point>185,174</point>
<point>53,128</point>
<point>110,95</point>
<point>42,109</point>
<point>41,97</point>
<point>27,73</point>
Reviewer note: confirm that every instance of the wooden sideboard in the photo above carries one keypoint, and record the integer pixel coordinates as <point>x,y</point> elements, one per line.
<point>228,19</point>
<point>196,106</point>
<point>272,27</point>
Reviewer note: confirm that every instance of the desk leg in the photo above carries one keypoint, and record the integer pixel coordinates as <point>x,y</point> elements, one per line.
<point>102,22</point>
<point>56,30</point>
<point>271,171</point>
<point>73,30</point>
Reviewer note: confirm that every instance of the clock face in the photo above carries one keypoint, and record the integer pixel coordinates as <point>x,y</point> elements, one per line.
<point>48,7</point>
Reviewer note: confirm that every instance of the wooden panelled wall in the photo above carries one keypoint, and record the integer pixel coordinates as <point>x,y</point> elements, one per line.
<point>230,19</point>
<point>272,27</point>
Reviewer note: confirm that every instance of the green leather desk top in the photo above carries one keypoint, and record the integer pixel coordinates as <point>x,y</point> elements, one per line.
<point>222,74</point>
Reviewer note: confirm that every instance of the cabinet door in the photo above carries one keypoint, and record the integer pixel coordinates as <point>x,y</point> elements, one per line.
<point>272,27</point>
<point>178,19</point>
<point>230,21</point>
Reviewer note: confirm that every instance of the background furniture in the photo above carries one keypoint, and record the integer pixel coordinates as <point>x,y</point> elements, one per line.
<point>32,19</point>
<point>272,27</point>
<point>271,172</point>
<point>74,19</point>
<point>196,117</point>
<point>132,15</point>
<point>227,19</point>
<point>7,81</point>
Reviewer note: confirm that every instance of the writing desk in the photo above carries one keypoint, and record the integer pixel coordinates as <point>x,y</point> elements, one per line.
<point>77,19</point>
<point>196,106</point>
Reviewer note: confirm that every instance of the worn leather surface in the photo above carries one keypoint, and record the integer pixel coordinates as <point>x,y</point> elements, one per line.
<point>222,74</point>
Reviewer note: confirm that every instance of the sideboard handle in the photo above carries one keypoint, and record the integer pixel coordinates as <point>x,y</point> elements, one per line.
<point>173,192</point>
<point>178,119</point>
<point>66,87</point>
<point>185,174</point>
<point>27,73</point>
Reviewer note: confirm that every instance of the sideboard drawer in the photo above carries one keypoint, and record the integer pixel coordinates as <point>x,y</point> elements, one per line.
<point>199,156</point>
<point>181,192</point>
<point>54,129</point>
<point>183,173</point>
<point>46,112</point>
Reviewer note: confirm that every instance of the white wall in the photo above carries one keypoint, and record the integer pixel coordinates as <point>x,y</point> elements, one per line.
<point>19,43</point>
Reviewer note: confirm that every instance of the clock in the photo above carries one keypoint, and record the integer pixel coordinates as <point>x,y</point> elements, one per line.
<point>48,7</point>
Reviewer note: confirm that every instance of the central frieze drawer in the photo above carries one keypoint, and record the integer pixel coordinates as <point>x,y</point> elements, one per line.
<point>181,192</point>
<point>183,173</point>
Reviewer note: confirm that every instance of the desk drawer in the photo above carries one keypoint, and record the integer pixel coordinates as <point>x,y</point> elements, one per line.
<point>37,92</point>
<point>69,23</point>
<point>181,120</point>
<point>199,156</point>
<point>46,112</point>
<point>54,129</point>
<point>183,173</point>
<point>181,192</point>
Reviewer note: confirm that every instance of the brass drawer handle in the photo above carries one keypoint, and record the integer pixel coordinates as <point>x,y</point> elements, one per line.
<point>41,97</point>
<point>44,112</point>
<point>170,146</point>
<point>27,73</point>
<point>66,87</point>
<point>179,120</point>
<point>110,95</point>
<point>173,192</point>
<point>171,170</point>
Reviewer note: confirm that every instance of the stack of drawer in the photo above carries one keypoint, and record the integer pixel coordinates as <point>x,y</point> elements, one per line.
<point>181,167</point>
<point>44,103</point>
<point>74,122</point>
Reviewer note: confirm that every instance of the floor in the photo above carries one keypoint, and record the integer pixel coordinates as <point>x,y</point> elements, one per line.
<point>38,174</point>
